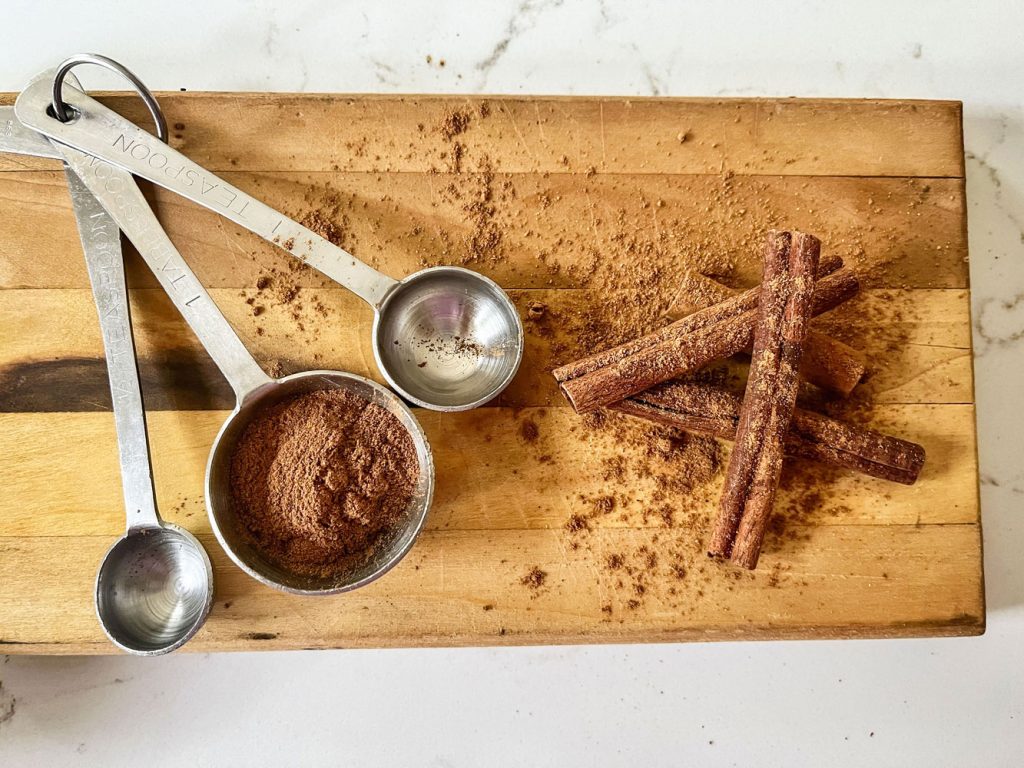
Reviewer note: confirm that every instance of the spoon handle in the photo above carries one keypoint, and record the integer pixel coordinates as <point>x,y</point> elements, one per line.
<point>116,191</point>
<point>103,133</point>
<point>101,242</point>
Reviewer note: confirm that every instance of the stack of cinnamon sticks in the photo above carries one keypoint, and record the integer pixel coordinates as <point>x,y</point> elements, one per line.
<point>770,322</point>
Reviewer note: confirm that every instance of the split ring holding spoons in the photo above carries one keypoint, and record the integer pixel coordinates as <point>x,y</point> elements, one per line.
<point>60,108</point>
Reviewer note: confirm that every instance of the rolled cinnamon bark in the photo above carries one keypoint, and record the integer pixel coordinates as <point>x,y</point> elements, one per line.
<point>712,310</point>
<point>752,477</point>
<point>826,363</point>
<point>707,409</point>
<point>680,348</point>
<point>760,407</point>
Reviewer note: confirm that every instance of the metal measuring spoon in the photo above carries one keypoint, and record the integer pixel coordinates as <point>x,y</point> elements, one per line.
<point>446,338</point>
<point>117,192</point>
<point>154,588</point>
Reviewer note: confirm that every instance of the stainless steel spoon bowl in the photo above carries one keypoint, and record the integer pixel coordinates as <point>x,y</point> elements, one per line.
<point>387,551</point>
<point>154,589</point>
<point>448,338</point>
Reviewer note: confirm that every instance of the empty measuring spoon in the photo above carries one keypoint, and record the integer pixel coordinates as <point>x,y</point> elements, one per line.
<point>117,192</point>
<point>446,338</point>
<point>154,587</point>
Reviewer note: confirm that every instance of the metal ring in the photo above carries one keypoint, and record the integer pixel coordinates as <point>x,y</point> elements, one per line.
<point>60,110</point>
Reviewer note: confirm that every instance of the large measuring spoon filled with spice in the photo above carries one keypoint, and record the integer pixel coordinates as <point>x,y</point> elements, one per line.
<point>318,482</point>
<point>445,338</point>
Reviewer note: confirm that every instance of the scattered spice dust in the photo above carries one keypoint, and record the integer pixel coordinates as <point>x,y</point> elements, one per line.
<point>454,122</point>
<point>661,483</point>
<point>529,431</point>
<point>535,578</point>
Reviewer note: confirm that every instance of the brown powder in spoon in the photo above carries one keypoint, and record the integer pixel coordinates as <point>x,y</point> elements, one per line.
<point>317,478</point>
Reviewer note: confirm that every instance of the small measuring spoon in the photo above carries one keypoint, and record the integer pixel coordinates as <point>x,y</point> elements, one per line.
<point>117,192</point>
<point>154,588</point>
<point>445,338</point>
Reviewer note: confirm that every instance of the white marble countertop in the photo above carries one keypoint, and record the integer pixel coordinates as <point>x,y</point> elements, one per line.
<point>920,702</point>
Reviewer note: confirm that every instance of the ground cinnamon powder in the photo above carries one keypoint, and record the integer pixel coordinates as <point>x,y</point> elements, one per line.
<point>317,478</point>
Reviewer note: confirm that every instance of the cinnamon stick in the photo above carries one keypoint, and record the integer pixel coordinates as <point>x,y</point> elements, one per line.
<point>752,477</point>
<point>826,362</point>
<point>707,409</point>
<point>711,312</point>
<point>680,348</point>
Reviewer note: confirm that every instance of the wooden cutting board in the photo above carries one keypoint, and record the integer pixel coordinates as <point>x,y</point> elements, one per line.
<point>882,183</point>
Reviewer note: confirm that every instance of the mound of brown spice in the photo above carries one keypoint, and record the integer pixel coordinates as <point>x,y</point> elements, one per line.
<point>318,478</point>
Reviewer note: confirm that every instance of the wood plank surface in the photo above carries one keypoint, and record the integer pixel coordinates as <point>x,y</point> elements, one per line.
<point>826,137</point>
<point>580,189</point>
<point>437,597</point>
<point>482,464</point>
<point>583,226</point>
<point>51,355</point>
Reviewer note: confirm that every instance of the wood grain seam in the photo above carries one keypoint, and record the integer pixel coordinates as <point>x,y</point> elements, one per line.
<point>449,532</point>
<point>235,170</point>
